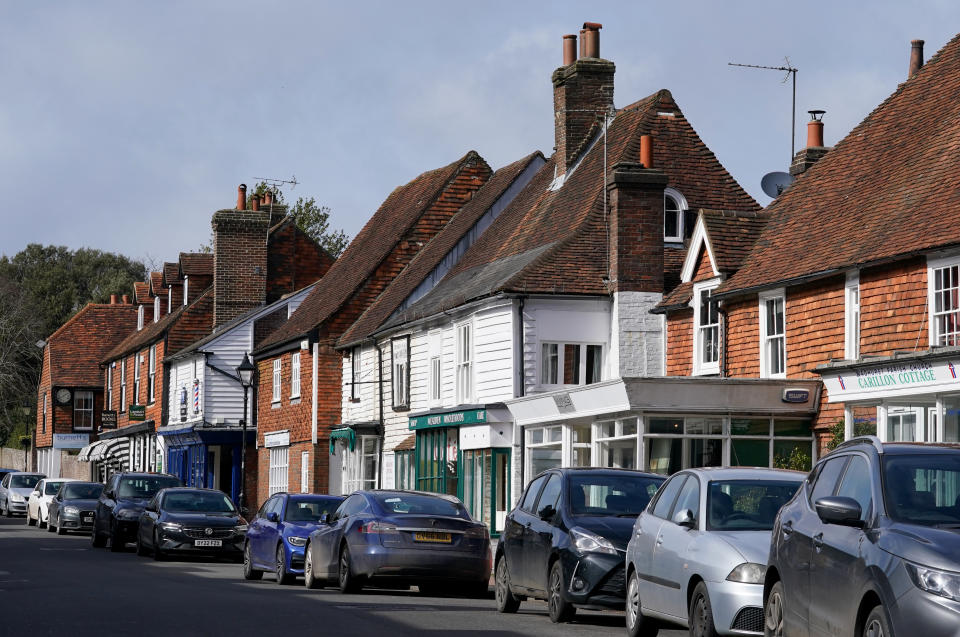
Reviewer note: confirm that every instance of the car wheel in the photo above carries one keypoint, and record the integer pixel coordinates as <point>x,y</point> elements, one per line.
<point>141,549</point>
<point>40,521</point>
<point>30,520</point>
<point>158,555</point>
<point>283,577</point>
<point>701,613</point>
<point>116,544</point>
<point>349,583</point>
<point>97,541</point>
<point>876,624</point>
<point>6,510</point>
<point>560,609</point>
<point>249,572</point>
<point>506,601</point>
<point>50,527</point>
<point>309,579</point>
<point>637,624</point>
<point>774,612</point>
<point>60,529</point>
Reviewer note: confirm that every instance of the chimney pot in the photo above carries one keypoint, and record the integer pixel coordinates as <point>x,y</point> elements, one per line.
<point>255,205</point>
<point>113,299</point>
<point>242,197</point>
<point>646,151</point>
<point>815,129</point>
<point>569,49</point>
<point>126,299</point>
<point>916,57</point>
<point>267,198</point>
<point>583,43</point>
<point>591,33</point>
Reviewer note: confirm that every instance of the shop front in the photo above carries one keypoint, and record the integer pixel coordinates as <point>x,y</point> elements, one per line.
<point>667,424</point>
<point>914,397</point>
<point>65,448</point>
<point>207,457</point>
<point>355,457</point>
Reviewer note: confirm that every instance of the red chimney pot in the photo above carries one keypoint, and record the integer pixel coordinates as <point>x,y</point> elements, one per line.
<point>591,33</point>
<point>242,197</point>
<point>916,57</point>
<point>255,205</point>
<point>646,151</point>
<point>569,49</point>
<point>113,299</point>
<point>126,299</point>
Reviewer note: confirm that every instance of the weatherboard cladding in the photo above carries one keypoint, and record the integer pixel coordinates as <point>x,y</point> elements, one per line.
<point>876,194</point>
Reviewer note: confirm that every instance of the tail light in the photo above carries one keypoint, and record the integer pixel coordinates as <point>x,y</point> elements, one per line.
<point>477,533</point>
<point>378,528</point>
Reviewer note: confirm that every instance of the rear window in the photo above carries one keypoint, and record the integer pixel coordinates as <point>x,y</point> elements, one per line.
<point>923,489</point>
<point>144,486</point>
<point>73,491</point>
<point>419,504</point>
<point>24,481</point>
<point>625,495</point>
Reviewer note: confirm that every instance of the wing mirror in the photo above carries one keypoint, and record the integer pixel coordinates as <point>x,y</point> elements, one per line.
<point>839,510</point>
<point>685,519</point>
<point>151,507</point>
<point>273,517</point>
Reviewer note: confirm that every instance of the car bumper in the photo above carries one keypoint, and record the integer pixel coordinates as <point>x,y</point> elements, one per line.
<point>17,507</point>
<point>920,613</point>
<point>737,607</point>
<point>379,562</point>
<point>126,530</point>
<point>73,523</point>
<point>178,543</point>
<point>295,560</point>
<point>594,579</point>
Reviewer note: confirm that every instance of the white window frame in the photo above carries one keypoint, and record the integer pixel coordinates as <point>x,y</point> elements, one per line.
<point>435,373</point>
<point>933,265</point>
<point>156,309</point>
<point>355,360</point>
<point>295,375</point>
<point>355,477</point>
<point>851,317</point>
<point>277,380</point>
<point>44,412</point>
<point>561,363</point>
<point>78,396</point>
<point>682,207</point>
<point>701,368</point>
<point>139,317</point>
<point>304,472</point>
<point>766,339</point>
<point>186,286</point>
<point>138,362</point>
<point>278,473</point>
<point>464,361</point>
<point>123,384</point>
<point>400,372</point>
<point>169,299</point>
<point>110,369</point>
<point>152,376</point>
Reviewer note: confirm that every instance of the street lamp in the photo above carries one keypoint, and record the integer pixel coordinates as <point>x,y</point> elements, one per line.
<point>245,371</point>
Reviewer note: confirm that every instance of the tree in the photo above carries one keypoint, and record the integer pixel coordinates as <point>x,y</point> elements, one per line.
<point>860,428</point>
<point>19,360</point>
<point>310,217</point>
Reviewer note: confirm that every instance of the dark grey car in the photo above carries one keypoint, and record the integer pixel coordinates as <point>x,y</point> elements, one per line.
<point>870,545</point>
<point>72,509</point>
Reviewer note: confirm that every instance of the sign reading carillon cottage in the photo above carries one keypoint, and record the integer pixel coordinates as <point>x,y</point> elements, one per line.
<point>908,377</point>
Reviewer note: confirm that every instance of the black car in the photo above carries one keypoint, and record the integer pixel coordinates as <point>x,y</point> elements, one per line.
<point>118,510</point>
<point>191,521</point>
<point>567,538</point>
<point>72,509</point>
<point>869,545</point>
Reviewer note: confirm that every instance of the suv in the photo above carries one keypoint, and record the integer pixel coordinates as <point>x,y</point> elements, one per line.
<point>117,517</point>
<point>869,545</point>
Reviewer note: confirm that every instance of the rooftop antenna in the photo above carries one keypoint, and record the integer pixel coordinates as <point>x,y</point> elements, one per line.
<point>275,183</point>
<point>790,72</point>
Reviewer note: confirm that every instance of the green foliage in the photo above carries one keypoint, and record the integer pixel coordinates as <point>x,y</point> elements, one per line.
<point>315,221</point>
<point>859,429</point>
<point>798,460</point>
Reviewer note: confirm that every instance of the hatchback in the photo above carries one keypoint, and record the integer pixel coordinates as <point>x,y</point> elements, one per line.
<point>15,489</point>
<point>191,521</point>
<point>38,504</point>
<point>73,506</point>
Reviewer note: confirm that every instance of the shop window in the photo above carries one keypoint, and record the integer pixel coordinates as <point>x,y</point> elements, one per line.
<point>582,435</point>
<point>405,469</point>
<point>152,375</point>
<point>706,330</point>
<point>464,363</point>
<point>617,443</point>
<point>773,353</point>
<point>945,305</point>
<point>951,419</point>
<point>362,464</point>
<point>437,461</point>
<point>570,363</point>
<point>851,332</point>
<point>277,476</point>
<point>545,448</point>
<point>400,368</point>
<point>295,375</point>
<point>901,425</point>
<point>83,410</point>
<point>750,453</point>
<point>277,367</point>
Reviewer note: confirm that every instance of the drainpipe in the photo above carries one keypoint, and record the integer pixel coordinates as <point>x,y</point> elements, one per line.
<point>521,368</point>
<point>723,340</point>
<point>380,404</point>
<point>313,410</point>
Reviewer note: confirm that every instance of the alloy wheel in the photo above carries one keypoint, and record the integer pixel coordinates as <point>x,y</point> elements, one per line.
<point>633,602</point>
<point>773,614</point>
<point>874,629</point>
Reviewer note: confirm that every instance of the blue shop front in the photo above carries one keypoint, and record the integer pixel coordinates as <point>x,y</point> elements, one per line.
<point>206,457</point>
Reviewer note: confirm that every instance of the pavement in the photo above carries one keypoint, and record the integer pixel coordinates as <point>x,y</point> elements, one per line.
<point>58,585</point>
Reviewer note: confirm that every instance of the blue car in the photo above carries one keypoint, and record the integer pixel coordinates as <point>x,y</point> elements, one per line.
<point>278,533</point>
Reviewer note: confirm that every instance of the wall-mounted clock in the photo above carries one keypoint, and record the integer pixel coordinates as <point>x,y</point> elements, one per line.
<point>64,396</point>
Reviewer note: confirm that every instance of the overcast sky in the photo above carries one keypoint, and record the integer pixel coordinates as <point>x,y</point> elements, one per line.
<point>125,125</point>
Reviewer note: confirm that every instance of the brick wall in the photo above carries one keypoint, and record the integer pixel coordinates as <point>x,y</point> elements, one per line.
<point>815,326</point>
<point>239,262</point>
<point>680,343</point>
<point>41,439</point>
<point>582,92</point>
<point>893,308</point>
<point>704,267</point>
<point>636,228</point>
<point>742,340</point>
<point>294,260</point>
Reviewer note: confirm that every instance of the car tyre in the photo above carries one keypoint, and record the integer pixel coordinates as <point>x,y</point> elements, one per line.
<point>30,520</point>
<point>876,624</point>
<point>97,541</point>
<point>560,609</point>
<point>6,510</point>
<point>506,600</point>
<point>249,572</point>
<point>774,612</point>
<point>141,549</point>
<point>348,582</point>
<point>283,577</point>
<point>158,555</point>
<point>701,613</point>
<point>309,579</point>
<point>51,527</point>
<point>115,545</point>
<point>60,529</point>
<point>40,523</point>
<point>637,624</point>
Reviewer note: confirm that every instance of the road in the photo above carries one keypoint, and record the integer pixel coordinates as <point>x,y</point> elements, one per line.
<point>58,585</point>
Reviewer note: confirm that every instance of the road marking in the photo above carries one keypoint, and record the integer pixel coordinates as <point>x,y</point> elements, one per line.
<point>47,549</point>
<point>12,581</point>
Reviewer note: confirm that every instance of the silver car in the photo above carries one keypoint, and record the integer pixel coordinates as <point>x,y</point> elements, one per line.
<point>699,551</point>
<point>15,488</point>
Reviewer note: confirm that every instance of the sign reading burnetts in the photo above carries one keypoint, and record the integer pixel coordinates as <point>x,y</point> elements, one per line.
<point>452,419</point>
<point>70,441</point>
<point>108,419</point>
<point>137,412</point>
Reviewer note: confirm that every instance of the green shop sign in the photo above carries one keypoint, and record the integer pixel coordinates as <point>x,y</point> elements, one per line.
<point>137,412</point>
<point>452,419</point>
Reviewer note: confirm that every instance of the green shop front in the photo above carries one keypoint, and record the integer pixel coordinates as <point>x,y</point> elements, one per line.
<point>463,452</point>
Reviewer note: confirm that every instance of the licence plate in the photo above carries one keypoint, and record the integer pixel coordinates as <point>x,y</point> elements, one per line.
<point>427,536</point>
<point>87,519</point>
<point>208,543</point>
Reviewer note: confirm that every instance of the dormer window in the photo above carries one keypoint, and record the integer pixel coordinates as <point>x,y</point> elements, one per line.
<point>156,309</point>
<point>139,317</point>
<point>674,206</point>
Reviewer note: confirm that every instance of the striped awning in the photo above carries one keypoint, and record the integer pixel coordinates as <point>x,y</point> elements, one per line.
<point>88,450</point>
<point>114,450</point>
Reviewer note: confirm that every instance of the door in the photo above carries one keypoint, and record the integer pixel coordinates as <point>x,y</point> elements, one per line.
<point>514,532</point>
<point>501,489</point>
<point>671,553</point>
<point>538,536</point>
<point>326,553</point>
<point>148,521</point>
<point>647,535</point>
<point>837,556</point>
<point>265,541</point>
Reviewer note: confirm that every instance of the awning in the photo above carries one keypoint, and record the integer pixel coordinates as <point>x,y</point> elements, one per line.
<point>111,450</point>
<point>343,433</point>
<point>89,449</point>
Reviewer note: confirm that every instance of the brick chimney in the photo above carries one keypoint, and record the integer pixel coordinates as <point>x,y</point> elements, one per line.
<point>916,57</point>
<point>582,94</point>
<point>815,149</point>
<point>239,262</point>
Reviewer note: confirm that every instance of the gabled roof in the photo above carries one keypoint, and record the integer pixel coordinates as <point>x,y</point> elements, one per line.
<point>437,249</point>
<point>152,332</point>
<point>196,264</point>
<point>554,241</point>
<point>156,283</point>
<point>171,273</point>
<point>396,215</point>
<point>141,293</point>
<point>887,190</point>
<point>78,345</point>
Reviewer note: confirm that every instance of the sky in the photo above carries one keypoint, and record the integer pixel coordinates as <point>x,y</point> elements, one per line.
<point>125,125</point>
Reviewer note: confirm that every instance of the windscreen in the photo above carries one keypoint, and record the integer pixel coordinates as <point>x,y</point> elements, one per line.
<point>72,491</point>
<point>419,504</point>
<point>51,488</point>
<point>24,481</point>
<point>309,509</point>
<point>623,495</point>
<point>197,502</point>
<point>923,489</point>
<point>144,486</point>
<point>747,505</point>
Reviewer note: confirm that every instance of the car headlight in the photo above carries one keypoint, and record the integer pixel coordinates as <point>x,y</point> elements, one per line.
<point>748,573</point>
<point>170,526</point>
<point>937,582</point>
<point>297,541</point>
<point>128,514</point>
<point>16,497</point>
<point>71,511</point>
<point>589,542</point>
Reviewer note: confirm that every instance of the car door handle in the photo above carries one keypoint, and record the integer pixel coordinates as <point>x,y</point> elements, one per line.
<point>787,528</point>
<point>818,542</point>
<point>659,540</point>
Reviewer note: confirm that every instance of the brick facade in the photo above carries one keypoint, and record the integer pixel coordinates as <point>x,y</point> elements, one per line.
<point>582,95</point>
<point>239,262</point>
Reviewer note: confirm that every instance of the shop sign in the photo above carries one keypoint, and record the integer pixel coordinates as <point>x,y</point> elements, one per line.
<point>277,439</point>
<point>894,379</point>
<point>564,403</point>
<point>796,395</point>
<point>70,441</point>
<point>108,419</point>
<point>452,419</point>
<point>137,412</point>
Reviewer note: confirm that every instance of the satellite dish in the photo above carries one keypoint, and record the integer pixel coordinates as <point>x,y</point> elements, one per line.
<point>775,183</point>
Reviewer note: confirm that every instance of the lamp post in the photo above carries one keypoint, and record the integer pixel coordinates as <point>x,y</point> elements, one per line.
<point>245,371</point>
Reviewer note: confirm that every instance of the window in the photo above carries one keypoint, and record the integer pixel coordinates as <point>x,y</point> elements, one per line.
<point>545,447</point>
<point>530,498</point>
<point>362,464</point>
<point>83,410</point>
<point>945,305</point>
<point>400,378</point>
<point>44,430</point>
<point>570,363</point>
<point>857,484</point>
<point>672,218</point>
<point>464,363</point>
<point>706,330</point>
<point>550,496</point>
<point>186,286</point>
<point>152,375</point>
<point>404,469</point>
<point>689,498</point>
<point>435,351</point>
<point>136,378</point>
<point>668,494</point>
<point>438,451</point>
<point>156,309</point>
<point>355,374</point>
<point>826,479</point>
<point>139,317</point>
<point>305,472</point>
<point>169,299</point>
<point>278,470</point>
<point>435,384</point>
<point>276,380</point>
<point>773,352</point>
<point>295,375</point>
<point>851,332</point>
<point>123,384</point>
<point>110,369</point>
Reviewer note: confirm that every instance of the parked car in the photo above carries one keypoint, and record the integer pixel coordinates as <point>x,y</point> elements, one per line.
<point>15,488</point>
<point>279,532</point>
<point>566,540</point>
<point>4,472</point>
<point>699,551</point>
<point>870,545</point>
<point>119,507</point>
<point>400,538</point>
<point>192,521</point>
<point>72,509</point>
<point>38,503</point>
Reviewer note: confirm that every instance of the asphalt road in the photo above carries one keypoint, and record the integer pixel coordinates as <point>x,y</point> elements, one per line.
<point>58,585</point>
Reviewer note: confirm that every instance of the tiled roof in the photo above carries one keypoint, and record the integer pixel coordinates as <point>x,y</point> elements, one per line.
<point>171,273</point>
<point>434,252</point>
<point>556,239</point>
<point>732,235</point>
<point>196,263</point>
<point>396,215</point>
<point>886,190</point>
<point>156,283</point>
<point>672,266</point>
<point>678,299</point>
<point>141,292</point>
<point>77,347</point>
<point>153,332</point>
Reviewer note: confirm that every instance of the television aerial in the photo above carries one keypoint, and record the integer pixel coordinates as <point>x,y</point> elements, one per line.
<point>775,183</point>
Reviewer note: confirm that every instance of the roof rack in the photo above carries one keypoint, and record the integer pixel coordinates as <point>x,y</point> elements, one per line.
<point>859,440</point>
